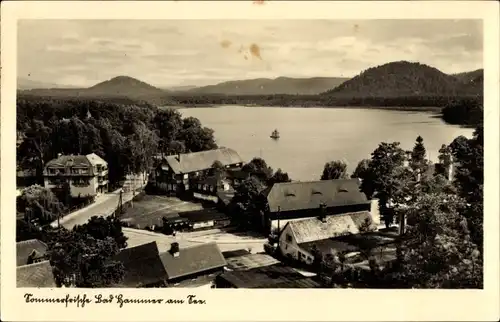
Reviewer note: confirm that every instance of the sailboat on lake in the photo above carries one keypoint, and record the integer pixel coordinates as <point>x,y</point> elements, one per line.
<point>275,135</point>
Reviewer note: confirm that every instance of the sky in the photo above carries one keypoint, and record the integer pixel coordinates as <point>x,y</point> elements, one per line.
<point>169,53</point>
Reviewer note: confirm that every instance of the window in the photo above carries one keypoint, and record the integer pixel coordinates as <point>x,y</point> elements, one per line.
<point>288,238</point>
<point>80,182</point>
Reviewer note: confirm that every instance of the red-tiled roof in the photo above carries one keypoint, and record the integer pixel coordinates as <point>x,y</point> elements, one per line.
<point>35,275</point>
<point>289,196</point>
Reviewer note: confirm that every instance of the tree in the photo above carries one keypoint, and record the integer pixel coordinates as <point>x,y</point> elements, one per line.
<point>381,179</point>
<point>334,170</point>
<point>249,201</point>
<point>73,136</point>
<point>258,168</point>
<point>278,177</point>
<point>196,138</point>
<point>168,124</point>
<point>437,251</point>
<point>418,162</point>
<point>469,179</point>
<point>84,261</point>
<point>40,204</point>
<point>142,146</point>
<point>35,150</point>
<point>445,161</point>
<point>102,228</point>
<point>361,169</point>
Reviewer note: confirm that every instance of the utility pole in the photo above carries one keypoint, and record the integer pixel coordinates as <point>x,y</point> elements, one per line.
<point>279,229</point>
<point>121,201</point>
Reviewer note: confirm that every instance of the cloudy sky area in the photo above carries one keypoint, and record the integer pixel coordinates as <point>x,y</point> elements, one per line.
<point>201,52</point>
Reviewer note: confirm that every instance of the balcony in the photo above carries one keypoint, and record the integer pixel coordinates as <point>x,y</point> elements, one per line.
<point>102,172</point>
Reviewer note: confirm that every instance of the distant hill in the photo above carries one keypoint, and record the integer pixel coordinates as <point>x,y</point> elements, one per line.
<point>179,88</point>
<point>266,86</point>
<point>120,86</point>
<point>402,78</point>
<point>124,86</point>
<point>472,80</point>
<point>467,77</point>
<point>25,83</point>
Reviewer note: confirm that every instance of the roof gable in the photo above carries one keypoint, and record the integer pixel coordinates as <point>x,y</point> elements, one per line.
<point>63,161</point>
<point>290,196</point>
<point>192,260</point>
<point>94,159</point>
<point>142,265</point>
<point>197,161</point>
<point>25,248</point>
<point>313,229</point>
<point>35,275</point>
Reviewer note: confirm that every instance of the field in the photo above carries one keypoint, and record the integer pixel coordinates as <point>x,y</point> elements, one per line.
<point>151,209</point>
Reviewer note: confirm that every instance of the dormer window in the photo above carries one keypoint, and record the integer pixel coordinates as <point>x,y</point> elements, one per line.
<point>289,194</point>
<point>316,192</point>
<point>343,190</point>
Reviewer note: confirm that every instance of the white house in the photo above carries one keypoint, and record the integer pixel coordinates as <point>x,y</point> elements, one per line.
<point>298,237</point>
<point>87,175</point>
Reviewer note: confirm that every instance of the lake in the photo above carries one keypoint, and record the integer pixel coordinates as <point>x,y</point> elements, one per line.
<point>310,137</point>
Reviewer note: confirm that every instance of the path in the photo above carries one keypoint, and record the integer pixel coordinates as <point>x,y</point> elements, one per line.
<point>104,205</point>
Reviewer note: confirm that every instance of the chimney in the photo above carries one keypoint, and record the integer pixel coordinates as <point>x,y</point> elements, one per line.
<point>178,157</point>
<point>174,249</point>
<point>322,212</point>
<point>59,155</point>
<point>375,211</point>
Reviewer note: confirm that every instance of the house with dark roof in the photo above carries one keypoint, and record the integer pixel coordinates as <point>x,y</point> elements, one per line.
<point>250,261</point>
<point>30,251</point>
<point>87,175</point>
<point>297,200</point>
<point>272,276</point>
<point>347,233</point>
<point>38,274</point>
<point>145,266</point>
<point>192,262</point>
<point>176,173</point>
<point>206,218</point>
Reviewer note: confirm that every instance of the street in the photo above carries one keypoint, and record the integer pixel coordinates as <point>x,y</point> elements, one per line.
<point>103,206</point>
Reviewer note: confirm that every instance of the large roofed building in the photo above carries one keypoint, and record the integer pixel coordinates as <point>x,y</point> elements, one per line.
<point>146,266</point>
<point>175,174</point>
<point>297,200</point>
<point>87,175</point>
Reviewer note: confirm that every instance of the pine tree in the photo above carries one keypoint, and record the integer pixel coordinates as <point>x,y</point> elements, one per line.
<point>417,161</point>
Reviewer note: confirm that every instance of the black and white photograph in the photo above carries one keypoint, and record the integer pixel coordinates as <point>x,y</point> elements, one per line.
<point>250,153</point>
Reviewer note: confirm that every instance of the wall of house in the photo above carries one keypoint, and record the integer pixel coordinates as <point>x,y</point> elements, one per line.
<point>87,191</point>
<point>291,249</point>
<point>288,247</point>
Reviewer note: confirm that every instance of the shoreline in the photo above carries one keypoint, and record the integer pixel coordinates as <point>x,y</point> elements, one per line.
<point>436,110</point>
